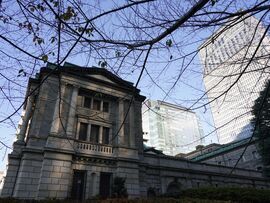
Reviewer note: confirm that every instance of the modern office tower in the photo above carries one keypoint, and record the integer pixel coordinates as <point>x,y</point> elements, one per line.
<point>235,70</point>
<point>170,128</point>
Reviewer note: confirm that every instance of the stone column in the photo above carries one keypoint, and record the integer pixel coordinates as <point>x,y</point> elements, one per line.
<point>121,115</point>
<point>72,112</point>
<point>88,132</point>
<point>91,185</point>
<point>56,121</point>
<point>100,137</point>
<point>132,132</point>
<point>25,120</point>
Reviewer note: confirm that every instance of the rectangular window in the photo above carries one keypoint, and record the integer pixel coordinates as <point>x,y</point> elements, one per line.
<point>105,106</point>
<point>83,131</point>
<point>87,102</point>
<point>106,135</point>
<point>96,104</point>
<point>94,136</point>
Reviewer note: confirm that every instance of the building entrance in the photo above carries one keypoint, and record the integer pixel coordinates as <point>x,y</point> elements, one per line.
<point>105,185</point>
<point>78,184</point>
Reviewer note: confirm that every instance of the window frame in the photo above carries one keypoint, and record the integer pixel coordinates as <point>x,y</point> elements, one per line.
<point>100,138</point>
<point>108,108</point>
<point>108,134</point>
<point>91,101</point>
<point>86,133</point>
<point>101,104</point>
<point>97,136</point>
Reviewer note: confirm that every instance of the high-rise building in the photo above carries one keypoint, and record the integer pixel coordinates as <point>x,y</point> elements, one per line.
<point>170,128</point>
<point>235,60</point>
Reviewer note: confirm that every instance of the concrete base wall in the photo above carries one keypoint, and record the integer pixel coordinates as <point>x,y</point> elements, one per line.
<point>28,177</point>
<point>10,179</point>
<point>56,176</point>
<point>158,172</point>
<point>129,171</point>
<point>49,174</point>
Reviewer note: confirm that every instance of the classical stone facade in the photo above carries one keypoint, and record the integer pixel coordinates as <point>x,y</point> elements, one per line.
<point>73,145</point>
<point>228,154</point>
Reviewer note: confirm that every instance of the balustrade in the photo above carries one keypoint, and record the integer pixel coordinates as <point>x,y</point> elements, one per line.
<point>90,147</point>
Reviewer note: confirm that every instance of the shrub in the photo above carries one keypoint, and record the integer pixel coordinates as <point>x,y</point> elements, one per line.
<point>119,189</point>
<point>244,195</point>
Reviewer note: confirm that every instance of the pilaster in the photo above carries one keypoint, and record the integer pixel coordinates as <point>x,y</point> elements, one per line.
<point>121,115</point>
<point>56,124</point>
<point>72,112</point>
<point>25,120</point>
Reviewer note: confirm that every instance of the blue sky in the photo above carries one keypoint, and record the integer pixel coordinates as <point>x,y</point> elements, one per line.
<point>164,66</point>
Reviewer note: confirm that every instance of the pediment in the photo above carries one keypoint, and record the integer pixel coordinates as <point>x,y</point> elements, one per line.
<point>101,77</point>
<point>100,74</point>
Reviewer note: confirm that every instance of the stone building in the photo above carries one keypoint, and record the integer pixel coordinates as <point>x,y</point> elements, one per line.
<point>72,144</point>
<point>228,154</point>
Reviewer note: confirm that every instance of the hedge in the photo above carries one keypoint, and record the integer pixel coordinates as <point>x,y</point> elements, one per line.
<point>154,200</point>
<point>234,194</point>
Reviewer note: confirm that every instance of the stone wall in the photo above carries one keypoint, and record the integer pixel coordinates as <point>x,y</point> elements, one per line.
<point>56,176</point>
<point>10,179</point>
<point>28,176</point>
<point>130,172</point>
<point>250,160</point>
<point>159,171</point>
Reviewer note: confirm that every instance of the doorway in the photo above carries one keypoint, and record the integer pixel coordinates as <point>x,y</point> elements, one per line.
<point>105,185</point>
<point>78,185</point>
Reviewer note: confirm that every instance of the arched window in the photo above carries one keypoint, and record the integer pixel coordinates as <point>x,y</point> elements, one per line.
<point>174,188</point>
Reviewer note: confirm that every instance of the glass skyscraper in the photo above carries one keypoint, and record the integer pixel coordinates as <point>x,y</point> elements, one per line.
<point>235,71</point>
<point>170,128</point>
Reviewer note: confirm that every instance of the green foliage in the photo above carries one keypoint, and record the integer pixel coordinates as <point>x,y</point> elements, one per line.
<point>241,195</point>
<point>198,195</point>
<point>68,14</point>
<point>156,200</point>
<point>44,58</point>
<point>261,112</point>
<point>119,189</point>
<point>98,95</point>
